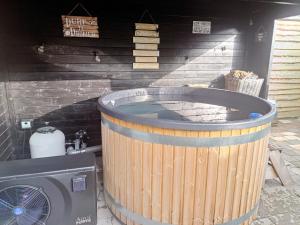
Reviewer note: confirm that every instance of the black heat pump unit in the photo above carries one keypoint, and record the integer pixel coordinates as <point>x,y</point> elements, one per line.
<point>49,191</point>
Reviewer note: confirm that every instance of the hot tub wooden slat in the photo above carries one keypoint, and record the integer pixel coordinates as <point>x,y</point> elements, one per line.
<point>254,165</point>
<point>157,181</point>
<point>189,182</point>
<point>129,176</point>
<point>212,176</point>
<point>167,179</point>
<point>221,182</point>
<point>138,174</point>
<point>117,164</point>
<point>182,185</point>
<point>200,189</point>
<point>147,176</point>
<point>239,177</point>
<point>248,163</point>
<point>232,171</point>
<point>122,170</point>
<point>178,182</point>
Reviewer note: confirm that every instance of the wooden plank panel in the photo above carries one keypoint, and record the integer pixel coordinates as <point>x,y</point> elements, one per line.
<point>284,92</point>
<point>145,53</point>
<point>288,28</point>
<point>145,65</point>
<point>289,59</point>
<point>285,81</point>
<point>146,33</point>
<point>287,32</point>
<point>295,38</point>
<point>146,40</point>
<point>288,23</point>
<point>285,97</point>
<point>287,45</point>
<point>146,26</point>
<point>146,59</point>
<point>291,103</point>
<point>285,74</point>
<point>286,67</point>
<point>289,114</point>
<point>146,46</point>
<point>274,87</point>
<point>289,52</point>
<point>288,109</point>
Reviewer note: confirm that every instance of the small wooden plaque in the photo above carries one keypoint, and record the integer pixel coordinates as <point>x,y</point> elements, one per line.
<point>146,40</point>
<point>145,53</point>
<point>146,26</point>
<point>146,33</point>
<point>146,66</point>
<point>80,26</point>
<point>145,59</point>
<point>146,46</point>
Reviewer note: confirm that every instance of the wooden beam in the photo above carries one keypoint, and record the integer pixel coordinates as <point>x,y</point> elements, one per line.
<point>146,26</point>
<point>280,168</point>
<point>145,65</point>
<point>146,33</point>
<point>145,53</point>
<point>145,59</point>
<point>146,40</point>
<point>146,46</point>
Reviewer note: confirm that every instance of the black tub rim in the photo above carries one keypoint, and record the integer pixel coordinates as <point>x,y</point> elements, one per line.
<point>187,125</point>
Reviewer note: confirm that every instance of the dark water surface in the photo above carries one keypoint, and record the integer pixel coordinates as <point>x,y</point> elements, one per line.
<point>182,111</point>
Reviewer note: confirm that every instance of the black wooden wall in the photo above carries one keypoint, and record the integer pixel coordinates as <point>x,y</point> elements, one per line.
<point>57,79</point>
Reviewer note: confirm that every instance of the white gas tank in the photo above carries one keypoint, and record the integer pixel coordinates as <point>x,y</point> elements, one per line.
<point>46,142</point>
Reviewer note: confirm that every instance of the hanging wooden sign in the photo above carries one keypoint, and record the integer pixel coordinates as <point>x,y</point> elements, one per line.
<point>146,42</point>
<point>80,26</point>
<point>201,27</point>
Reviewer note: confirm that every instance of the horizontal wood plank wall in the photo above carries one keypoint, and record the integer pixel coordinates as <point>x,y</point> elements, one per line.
<point>60,81</point>
<point>6,148</point>
<point>285,70</point>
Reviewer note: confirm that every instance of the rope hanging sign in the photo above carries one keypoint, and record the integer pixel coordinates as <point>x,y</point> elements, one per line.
<point>146,40</point>
<point>80,26</point>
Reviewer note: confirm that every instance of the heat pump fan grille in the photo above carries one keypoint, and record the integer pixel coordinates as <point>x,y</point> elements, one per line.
<point>23,205</point>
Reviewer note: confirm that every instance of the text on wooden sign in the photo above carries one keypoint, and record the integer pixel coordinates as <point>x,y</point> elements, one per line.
<point>80,26</point>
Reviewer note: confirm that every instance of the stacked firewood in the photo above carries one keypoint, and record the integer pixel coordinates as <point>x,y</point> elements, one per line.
<point>240,74</point>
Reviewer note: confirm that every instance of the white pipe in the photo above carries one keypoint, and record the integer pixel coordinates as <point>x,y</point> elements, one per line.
<point>95,148</point>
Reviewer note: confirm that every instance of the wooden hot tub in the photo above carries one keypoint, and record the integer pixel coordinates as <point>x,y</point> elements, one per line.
<point>183,155</point>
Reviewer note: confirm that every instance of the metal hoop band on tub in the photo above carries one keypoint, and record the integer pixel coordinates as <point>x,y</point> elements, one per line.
<point>186,141</point>
<point>144,221</point>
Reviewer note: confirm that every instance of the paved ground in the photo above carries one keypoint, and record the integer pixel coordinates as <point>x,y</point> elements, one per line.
<point>279,205</point>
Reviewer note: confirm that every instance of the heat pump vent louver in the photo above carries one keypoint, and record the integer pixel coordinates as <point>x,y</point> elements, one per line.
<point>23,205</point>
